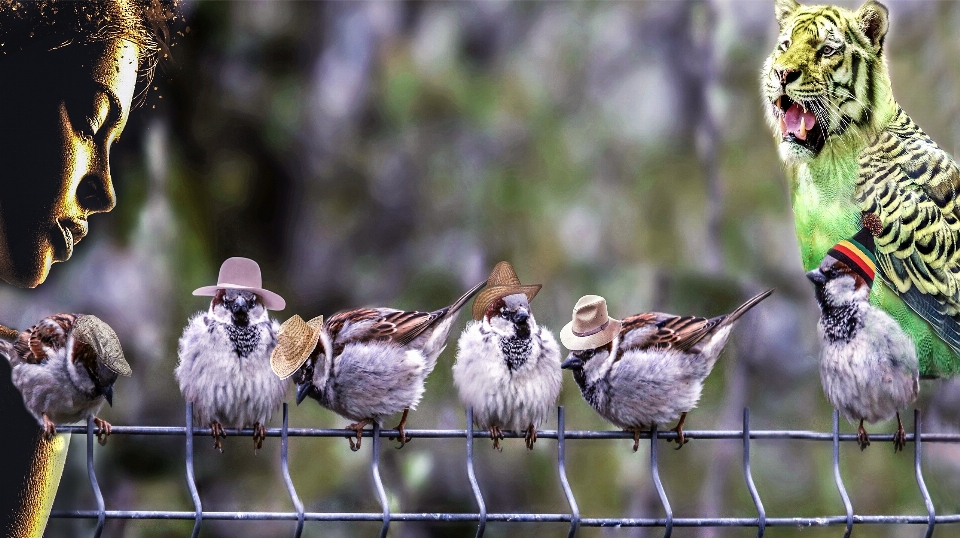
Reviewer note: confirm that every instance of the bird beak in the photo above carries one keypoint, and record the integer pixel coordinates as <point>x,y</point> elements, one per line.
<point>816,276</point>
<point>521,315</point>
<point>108,394</point>
<point>302,390</point>
<point>572,362</point>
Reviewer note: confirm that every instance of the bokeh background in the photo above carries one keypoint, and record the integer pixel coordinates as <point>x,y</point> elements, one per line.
<point>391,153</point>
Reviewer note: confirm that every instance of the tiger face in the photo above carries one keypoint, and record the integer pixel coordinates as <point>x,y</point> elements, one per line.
<point>825,78</point>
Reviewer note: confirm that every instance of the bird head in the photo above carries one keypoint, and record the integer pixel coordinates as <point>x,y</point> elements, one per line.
<point>303,377</point>
<point>511,315</point>
<point>581,358</point>
<point>835,283</point>
<point>238,307</point>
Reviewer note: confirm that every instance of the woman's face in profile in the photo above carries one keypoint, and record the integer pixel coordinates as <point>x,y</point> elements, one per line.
<point>60,111</point>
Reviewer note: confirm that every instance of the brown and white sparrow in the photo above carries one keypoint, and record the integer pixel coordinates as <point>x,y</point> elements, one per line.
<point>65,367</point>
<point>508,366</point>
<point>367,363</point>
<point>652,370</point>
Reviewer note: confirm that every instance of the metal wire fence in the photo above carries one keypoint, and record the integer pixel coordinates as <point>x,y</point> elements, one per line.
<point>573,519</point>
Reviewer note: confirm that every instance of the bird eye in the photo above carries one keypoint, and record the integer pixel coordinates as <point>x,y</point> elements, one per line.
<point>828,51</point>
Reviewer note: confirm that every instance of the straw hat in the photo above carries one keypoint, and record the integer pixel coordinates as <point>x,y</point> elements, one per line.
<point>243,274</point>
<point>296,340</point>
<point>92,331</point>
<point>591,327</point>
<point>503,281</point>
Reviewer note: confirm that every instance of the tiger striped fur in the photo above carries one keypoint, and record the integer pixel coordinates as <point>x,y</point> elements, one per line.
<point>849,149</point>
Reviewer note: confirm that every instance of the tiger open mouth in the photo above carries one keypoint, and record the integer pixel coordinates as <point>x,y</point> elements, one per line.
<point>798,124</point>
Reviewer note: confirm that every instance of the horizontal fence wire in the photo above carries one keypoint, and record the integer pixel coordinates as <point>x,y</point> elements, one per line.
<point>574,519</point>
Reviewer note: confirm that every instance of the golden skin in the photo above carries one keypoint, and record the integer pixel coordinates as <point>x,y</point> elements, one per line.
<point>66,110</point>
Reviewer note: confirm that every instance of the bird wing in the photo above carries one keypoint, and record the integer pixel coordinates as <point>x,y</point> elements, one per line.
<point>656,330</point>
<point>912,185</point>
<point>51,332</point>
<point>378,324</point>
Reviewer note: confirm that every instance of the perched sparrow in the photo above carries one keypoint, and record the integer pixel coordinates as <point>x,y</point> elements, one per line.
<point>508,367</point>
<point>224,368</point>
<point>367,363</point>
<point>868,364</point>
<point>65,367</point>
<point>650,370</point>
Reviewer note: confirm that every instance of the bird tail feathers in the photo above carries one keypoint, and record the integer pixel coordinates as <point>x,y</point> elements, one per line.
<point>465,298</point>
<point>7,337</point>
<point>745,307</point>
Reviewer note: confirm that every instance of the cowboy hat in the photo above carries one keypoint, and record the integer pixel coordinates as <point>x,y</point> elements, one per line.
<point>296,340</point>
<point>503,281</point>
<point>591,327</point>
<point>243,274</point>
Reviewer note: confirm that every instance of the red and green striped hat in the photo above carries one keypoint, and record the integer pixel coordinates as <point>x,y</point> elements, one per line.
<point>859,254</point>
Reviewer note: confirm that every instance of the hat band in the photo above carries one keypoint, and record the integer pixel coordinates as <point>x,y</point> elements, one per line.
<point>592,331</point>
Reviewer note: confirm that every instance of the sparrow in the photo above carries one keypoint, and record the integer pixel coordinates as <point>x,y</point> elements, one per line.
<point>652,369</point>
<point>224,368</point>
<point>508,366</point>
<point>367,363</point>
<point>65,367</point>
<point>868,363</point>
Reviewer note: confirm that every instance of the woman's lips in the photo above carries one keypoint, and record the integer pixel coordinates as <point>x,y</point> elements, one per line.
<point>71,232</point>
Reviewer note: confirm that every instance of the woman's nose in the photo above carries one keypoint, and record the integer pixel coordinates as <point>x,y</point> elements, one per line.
<point>95,192</point>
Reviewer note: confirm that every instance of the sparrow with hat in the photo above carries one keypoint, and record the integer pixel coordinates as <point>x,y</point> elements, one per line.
<point>591,326</point>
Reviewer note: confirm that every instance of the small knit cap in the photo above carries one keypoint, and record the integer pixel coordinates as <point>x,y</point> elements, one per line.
<point>859,252</point>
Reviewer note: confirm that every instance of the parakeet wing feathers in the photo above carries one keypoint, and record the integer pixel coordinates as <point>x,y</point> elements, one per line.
<point>912,185</point>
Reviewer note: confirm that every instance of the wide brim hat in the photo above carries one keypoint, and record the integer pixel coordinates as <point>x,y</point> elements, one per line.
<point>591,326</point>
<point>94,332</point>
<point>243,274</point>
<point>296,340</point>
<point>503,281</point>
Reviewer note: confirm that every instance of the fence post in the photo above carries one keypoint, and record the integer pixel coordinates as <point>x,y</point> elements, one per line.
<point>471,474</point>
<point>562,468</point>
<point>191,481</point>
<point>101,512</point>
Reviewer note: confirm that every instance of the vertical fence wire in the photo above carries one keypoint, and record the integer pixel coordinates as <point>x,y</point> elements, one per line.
<point>847,505</point>
<point>655,473</point>
<point>285,466</point>
<point>94,485</point>
<point>748,476</point>
<point>472,476</point>
<point>562,469</point>
<point>375,471</point>
<point>920,482</point>
<point>191,481</point>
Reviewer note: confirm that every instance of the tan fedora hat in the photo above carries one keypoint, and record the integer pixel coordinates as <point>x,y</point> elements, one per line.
<point>591,327</point>
<point>296,340</point>
<point>503,281</point>
<point>243,274</point>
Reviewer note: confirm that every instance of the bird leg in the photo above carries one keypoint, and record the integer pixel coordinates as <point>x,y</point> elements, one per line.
<point>497,435</point>
<point>531,437</point>
<point>357,427</point>
<point>103,430</point>
<point>863,439</point>
<point>636,439</point>
<point>400,427</point>
<point>259,434</point>
<point>681,440</point>
<point>216,430</point>
<point>49,428</point>
<point>900,437</point>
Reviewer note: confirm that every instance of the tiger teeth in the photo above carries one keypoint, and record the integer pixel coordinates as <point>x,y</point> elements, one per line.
<point>802,133</point>
<point>783,125</point>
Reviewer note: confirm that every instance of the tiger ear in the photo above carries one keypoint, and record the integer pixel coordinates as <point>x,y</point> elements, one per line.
<point>784,9</point>
<point>874,21</point>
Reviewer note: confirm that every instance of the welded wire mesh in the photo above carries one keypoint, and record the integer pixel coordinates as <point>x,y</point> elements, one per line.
<point>573,519</point>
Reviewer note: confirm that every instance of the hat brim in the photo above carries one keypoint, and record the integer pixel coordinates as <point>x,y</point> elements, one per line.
<point>492,293</point>
<point>598,339</point>
<point>271,301</point>
<point>285,365</point>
